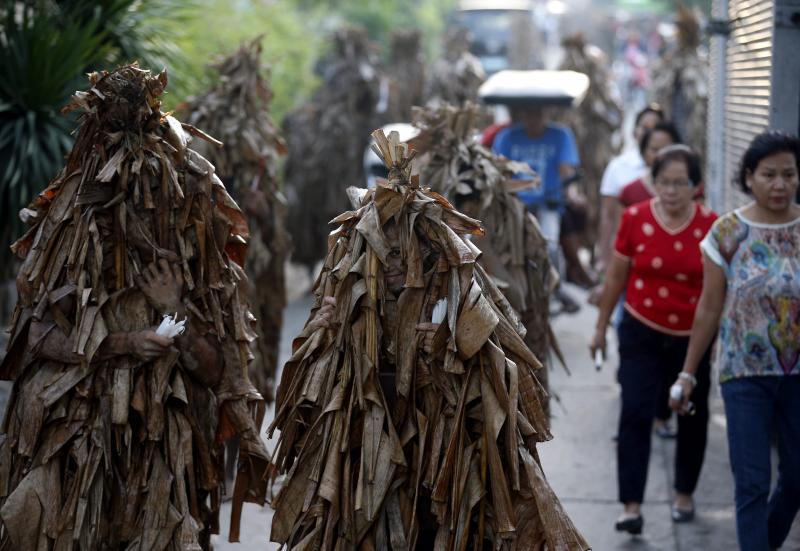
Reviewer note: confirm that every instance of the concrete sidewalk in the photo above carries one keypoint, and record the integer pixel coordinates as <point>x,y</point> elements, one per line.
<point>580,462</point>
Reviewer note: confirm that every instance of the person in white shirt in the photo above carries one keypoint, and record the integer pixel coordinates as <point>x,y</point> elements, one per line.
<point>622,170</point>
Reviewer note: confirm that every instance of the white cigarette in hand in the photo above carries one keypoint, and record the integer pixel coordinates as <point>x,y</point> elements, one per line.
<point>598,359</point>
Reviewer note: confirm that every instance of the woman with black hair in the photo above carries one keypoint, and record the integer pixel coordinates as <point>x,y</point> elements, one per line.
<point>657,263</point>
<point>641,189</point>
<point>653,141</point>
<point>622,169</point>
<point>751,300</point>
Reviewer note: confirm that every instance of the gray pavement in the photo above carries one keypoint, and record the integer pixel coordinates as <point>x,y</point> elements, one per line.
<point>580,462</point>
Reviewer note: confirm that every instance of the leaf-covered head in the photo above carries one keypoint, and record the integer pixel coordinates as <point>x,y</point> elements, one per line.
<point>688,26</point>
<point>410,229</point>
<point>124,99</point>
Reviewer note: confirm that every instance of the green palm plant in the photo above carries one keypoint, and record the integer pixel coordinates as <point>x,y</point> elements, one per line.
<point>46,48</point>
<point>41,63</point>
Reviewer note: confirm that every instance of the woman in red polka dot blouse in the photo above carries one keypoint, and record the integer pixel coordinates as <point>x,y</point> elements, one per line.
<point>657,262</point>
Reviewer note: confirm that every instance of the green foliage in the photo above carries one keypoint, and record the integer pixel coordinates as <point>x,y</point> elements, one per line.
<point>295,35</point>
<point>41,61</point>
<point>46,48</point>
<point>219,26</point>
<point>380,17</point>
<point>139,30</point>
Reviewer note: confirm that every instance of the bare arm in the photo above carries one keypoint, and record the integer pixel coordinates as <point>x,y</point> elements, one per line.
<point>614,285</point>
<point>706,323</point>
<point>52,343</point>
<point>610,212</point>
<point>200,355</point>
<point>57,346</point>
<point>566,171</point>
<point>162,284</point>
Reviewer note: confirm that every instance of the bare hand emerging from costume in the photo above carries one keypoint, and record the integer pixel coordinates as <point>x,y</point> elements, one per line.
<point>146,345</point>
<point>162,284</point>
<point>325,315</point>
<point>428,330</point>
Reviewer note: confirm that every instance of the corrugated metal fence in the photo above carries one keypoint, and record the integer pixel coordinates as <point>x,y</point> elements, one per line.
<point>755,85</point>
<point>748,76</point>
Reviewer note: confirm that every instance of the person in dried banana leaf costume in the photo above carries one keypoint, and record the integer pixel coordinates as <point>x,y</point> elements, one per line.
<point>595,122</point>
<point>479,184</point>
<point>326,139</point>
<point>235,111</point>
<point>113,432</point>
<point>410,412</point>
<point>405,75</point>
<point>457,75</point>
<point>680,82</point>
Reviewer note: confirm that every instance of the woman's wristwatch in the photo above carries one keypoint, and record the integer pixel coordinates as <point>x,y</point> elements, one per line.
<point>683,375</point>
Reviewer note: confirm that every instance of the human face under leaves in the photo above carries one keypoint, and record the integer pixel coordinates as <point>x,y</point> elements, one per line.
<point>394,273</point>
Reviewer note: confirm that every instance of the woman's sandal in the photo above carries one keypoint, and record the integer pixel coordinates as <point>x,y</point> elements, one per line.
<point>630,524</point>
<point>682,515</point>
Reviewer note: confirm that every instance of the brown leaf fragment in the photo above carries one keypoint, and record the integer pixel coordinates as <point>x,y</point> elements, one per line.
<point>112,166</point>
<point>475,324</point>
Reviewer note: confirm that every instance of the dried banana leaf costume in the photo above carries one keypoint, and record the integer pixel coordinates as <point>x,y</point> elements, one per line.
<point>125,454</point>
<point>235,111</point>
<point>455,77</point>
<point>594,122</point>
<point>405,75</point>
<point>326,138</point>
<point>513,252</point>
<point>387,447</point>
<point>680,83</point>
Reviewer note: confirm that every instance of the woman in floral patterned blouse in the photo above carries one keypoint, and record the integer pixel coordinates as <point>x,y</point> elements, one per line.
<point>751,298</point>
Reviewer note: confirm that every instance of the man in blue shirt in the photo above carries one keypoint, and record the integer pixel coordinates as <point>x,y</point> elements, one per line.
<point>548,148</point>
<point>551,151</point>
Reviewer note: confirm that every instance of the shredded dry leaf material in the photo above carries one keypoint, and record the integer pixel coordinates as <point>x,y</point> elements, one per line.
<point>235,111</point>
<point>457,75</point>
<point>480,184</point>
<point>115,452</point>
<point>594,122</point>
<point>387,445</point>
<point>405,76</point>
<point>326,139</point>
<point>680,82</point>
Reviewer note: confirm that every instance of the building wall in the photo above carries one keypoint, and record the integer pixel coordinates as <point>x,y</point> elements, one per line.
<point>748,76</point>
<point>755,85</point>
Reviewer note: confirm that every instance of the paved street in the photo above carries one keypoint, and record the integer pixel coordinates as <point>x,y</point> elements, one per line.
<point>580,462</point>
<point>581,465</point>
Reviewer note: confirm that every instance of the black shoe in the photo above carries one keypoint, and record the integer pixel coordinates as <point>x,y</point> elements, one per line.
<point>682,515</point>
<point>631,525</point>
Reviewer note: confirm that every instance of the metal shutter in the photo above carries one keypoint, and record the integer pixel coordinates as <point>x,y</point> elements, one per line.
<point>748,75</point>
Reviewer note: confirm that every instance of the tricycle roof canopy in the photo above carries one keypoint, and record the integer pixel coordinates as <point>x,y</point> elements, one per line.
<point>565,88</point>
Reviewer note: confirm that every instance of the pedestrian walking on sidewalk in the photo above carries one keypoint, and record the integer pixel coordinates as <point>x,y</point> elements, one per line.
<point>642,188</point>
<point>751,298</point>
<point>657,263</point>
<point>636,191</point>
<point>622,169</point>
